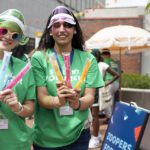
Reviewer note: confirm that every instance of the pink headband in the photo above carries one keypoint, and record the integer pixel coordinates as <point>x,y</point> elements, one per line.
<point>62,16</point>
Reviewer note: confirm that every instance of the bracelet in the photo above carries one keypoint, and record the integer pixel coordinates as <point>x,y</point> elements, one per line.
<point>20,108</point>
<point>78,108</point>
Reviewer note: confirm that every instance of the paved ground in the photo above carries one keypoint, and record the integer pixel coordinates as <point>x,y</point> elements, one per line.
<point>102,128</point>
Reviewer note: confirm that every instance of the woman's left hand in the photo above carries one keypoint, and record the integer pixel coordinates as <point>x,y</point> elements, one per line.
<point>10,99</point>
<point>73,99</point>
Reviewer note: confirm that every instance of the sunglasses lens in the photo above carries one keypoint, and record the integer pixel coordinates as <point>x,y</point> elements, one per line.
<point>16,36</point>
<point>3,31</point>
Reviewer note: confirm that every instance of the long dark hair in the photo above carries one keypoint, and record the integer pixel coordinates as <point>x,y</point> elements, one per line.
<point>47,41</point>
<point>19,51</point>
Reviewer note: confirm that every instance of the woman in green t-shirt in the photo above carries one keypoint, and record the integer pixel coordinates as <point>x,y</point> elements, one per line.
<point>17,102</point>
<point>61,111</point>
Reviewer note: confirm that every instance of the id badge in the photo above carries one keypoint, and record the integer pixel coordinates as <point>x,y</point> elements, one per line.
<point>3,124</point>
<point>65,110</point>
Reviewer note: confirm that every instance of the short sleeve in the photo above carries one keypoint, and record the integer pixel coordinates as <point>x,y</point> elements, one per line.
<point>31,92</point>
<point>38,63</point>
<point>94,77</point>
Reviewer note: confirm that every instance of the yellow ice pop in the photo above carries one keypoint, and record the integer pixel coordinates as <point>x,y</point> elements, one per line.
<point>83,75</point>
<point>56,68</point>
<point>78,85</point>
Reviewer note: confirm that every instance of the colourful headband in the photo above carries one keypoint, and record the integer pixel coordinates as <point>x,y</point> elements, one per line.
<point>62,16</point>
<point>14,19</point>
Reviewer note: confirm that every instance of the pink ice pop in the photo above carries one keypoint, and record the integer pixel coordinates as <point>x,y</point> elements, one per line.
<point>67,66</point>
<point>19,76</point>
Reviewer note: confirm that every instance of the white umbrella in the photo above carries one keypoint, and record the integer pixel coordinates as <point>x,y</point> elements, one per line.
<point>120,37</point>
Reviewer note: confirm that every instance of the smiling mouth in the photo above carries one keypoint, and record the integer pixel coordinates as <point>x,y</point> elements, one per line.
<point>62,36</point>
<point>6,41</point>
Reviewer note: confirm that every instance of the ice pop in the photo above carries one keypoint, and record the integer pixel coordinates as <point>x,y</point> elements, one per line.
<point>83,75</point>
<point>67,67</point>
<point>5,63</point>
<point>56,69</point>
<point>19,76</point>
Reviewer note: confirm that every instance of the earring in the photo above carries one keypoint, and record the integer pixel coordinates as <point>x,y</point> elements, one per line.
<point>75,32</point>
<point>50,33</point>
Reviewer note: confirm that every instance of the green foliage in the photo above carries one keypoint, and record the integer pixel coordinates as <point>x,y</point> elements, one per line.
<point>147,8</point>
<point>135,81</point>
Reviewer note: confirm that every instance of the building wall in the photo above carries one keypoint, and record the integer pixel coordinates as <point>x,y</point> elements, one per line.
<point>125,3</point>
<point>91,26</point>
<point>146,55</point>
<point>145,69</point>
<point>114,12</point>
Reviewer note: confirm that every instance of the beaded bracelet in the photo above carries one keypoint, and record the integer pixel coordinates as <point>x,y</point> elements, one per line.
<point>20,108</point>
<point>78,108</point>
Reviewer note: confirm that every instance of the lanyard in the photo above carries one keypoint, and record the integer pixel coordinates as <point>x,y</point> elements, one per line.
<point>56,56</point>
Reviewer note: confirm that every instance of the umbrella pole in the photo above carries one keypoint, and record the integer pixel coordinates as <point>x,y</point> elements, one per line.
<point>120,94</point>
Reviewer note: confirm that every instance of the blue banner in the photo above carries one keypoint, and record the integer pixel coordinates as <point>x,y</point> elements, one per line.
<point>126,127</point>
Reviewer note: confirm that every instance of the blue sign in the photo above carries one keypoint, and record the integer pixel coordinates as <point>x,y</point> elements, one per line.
<point>126,127</point>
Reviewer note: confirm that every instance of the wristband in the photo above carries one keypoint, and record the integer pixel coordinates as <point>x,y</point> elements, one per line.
<point>20,108</point>
<point>78,108</point>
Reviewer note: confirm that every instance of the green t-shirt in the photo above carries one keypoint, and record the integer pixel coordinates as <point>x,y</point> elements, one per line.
<point>24,58</point>
<point>18,135</point>
<point>112,64</point>
<point>51,129</point>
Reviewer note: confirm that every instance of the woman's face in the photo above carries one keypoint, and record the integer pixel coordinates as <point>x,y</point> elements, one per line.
<point>62,33</point>
<point>8,39</point>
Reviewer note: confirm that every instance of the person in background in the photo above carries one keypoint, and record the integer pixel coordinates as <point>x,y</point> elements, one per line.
<point>114,87</point>
<point>61,111</point>
<point>18,102</point>
<point>103,68</point>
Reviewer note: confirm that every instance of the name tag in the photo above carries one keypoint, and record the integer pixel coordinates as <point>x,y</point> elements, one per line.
<point>65,110</point>
<point>3,123</point>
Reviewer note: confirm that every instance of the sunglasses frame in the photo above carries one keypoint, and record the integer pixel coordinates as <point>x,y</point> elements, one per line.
<point>15,36</point>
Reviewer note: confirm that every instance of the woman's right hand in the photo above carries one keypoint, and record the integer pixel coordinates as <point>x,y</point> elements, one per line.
<point>10,99</point>
<point>62,90</point>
